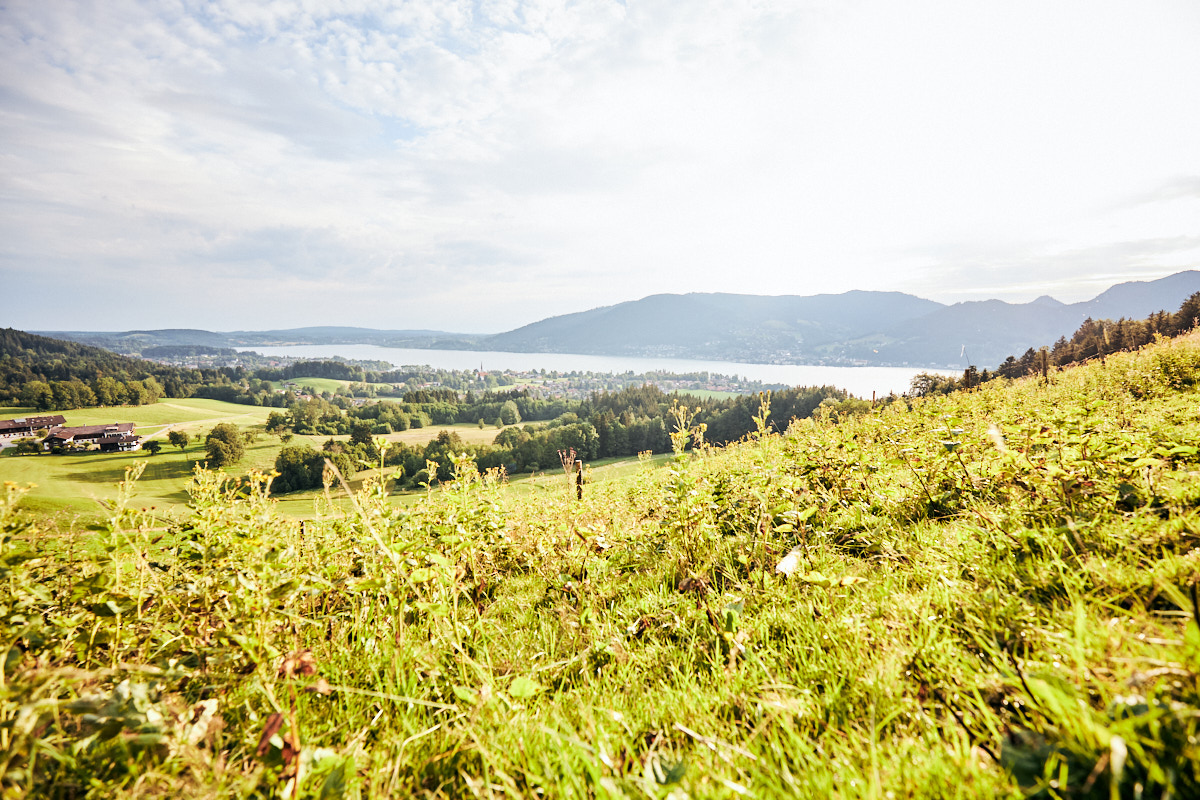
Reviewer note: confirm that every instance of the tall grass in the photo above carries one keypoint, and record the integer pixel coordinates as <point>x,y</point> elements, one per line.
<point>990,594</point>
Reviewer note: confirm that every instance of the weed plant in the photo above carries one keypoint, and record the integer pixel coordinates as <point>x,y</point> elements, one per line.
<point>986,594</point>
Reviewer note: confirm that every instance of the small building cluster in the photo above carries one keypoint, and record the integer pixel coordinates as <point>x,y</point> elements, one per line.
<point>27,426</point>
<point>117,436</point>
<point>112,437</point>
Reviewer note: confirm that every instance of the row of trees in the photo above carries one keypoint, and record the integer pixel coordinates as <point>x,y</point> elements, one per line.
<point>607,424</point>
<point>1093,339</point>
<point>100,391</point>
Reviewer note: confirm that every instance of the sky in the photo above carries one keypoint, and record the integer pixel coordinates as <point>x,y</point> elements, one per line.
<point>477,166</point>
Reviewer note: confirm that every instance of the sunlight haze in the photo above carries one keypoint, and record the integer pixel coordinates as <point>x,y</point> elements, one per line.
<point>477,166</point>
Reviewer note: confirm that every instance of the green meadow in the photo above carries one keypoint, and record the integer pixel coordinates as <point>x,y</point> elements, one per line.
<point>77,487</point>
<point>987,594</point>
<point>708,394</point>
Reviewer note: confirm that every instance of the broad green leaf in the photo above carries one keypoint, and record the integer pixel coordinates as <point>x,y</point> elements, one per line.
<point>466,694</point>
<point>283,589</point>
<point>815,578</point>
<point>663,772</point>
<point>422,575</point>
<point>111,608</point>
<point>334,786</point>
<point>370,584</point>
<point>522,687</point>
<point>732,614</point>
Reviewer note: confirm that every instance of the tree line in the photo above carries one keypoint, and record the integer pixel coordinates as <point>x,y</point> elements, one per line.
<point>44,373</point>
<point>604,425</point>
<point>1093,339</point>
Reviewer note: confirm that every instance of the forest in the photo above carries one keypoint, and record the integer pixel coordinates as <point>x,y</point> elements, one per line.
<point>606,425</point>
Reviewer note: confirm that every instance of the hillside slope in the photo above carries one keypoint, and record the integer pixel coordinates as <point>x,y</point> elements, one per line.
<point>986,594</point>
<point>26,358</point>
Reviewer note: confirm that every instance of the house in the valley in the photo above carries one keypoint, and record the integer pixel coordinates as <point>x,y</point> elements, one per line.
<point>27,426</point>
<point>113,437</point>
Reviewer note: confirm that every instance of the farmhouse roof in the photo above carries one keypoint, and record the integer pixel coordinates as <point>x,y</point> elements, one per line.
<point>31,423</point>
<point>120,437</point>
<point>91,431</point>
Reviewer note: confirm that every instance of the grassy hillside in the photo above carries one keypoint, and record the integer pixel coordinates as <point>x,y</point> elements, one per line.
<point>980,595</point>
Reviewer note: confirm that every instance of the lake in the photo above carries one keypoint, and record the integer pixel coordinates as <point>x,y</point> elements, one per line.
<point>859,381</point>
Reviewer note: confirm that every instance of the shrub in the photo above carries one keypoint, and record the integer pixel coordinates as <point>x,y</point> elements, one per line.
<point>224,446</point>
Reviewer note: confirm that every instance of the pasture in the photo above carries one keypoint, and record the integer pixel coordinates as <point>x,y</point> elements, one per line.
<point>76,488</point>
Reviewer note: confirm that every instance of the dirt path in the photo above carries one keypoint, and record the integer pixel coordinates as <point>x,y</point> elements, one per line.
<point>170,426</point>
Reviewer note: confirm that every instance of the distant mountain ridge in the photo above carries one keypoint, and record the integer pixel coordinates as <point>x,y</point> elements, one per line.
<point>849,329</point>
<point>727,326</point>
<point>985,332</point>
<point>130,342</point>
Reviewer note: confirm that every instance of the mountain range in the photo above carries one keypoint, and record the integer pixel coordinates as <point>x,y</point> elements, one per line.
<point>852,328</point>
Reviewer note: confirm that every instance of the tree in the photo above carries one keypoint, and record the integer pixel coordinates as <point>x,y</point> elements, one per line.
<point>277,423</point>
<point>178,439</point>
<point>295,466</point>
<point>224,445</point>
<point>108,392</point>
<point>137,394</point>
<point>509,414</point>
<point>1188,315</point>
<point>152,446</point>
<point>1010,368</point>
<point>37,394</point>
<point>360,437</point>
<point>301,467</point>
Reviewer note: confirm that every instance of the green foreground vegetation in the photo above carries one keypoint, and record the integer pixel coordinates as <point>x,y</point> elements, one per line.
<point>981,594</point>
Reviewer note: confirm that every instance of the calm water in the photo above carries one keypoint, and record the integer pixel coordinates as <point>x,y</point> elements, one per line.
<point>860,381</point>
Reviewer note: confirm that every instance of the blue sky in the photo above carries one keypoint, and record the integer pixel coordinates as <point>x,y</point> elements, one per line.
<point>475,166</point>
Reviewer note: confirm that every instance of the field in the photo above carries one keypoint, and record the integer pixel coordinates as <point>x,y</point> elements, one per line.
<point>76,486</point>
<point>326,384</point>
<point>471,434</point>
<point>987,594</point>
<point>708,394</point>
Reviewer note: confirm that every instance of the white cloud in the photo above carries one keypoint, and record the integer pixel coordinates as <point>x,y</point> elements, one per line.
<point>373,160</point>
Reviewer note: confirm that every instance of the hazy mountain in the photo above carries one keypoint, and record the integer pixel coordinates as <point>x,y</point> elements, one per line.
<point>727,326</point>
<point>986,332</point>
<point>858,327</point>
<point>135,342</point>
<point>1140,299</point>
